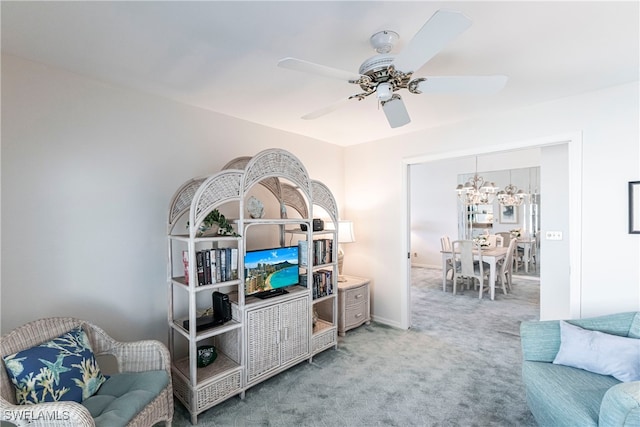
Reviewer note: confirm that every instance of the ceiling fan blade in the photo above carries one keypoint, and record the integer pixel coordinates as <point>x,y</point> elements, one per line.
<point>396,112</point>
<point>440,29</point>
<point>326,110</point>
<point>323,70</point>
<point>463,84</point>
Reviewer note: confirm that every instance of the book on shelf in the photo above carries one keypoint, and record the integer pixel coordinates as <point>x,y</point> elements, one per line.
<point>303,251</point>
<point>234,263</point>
<point>207,267</point>
<point>213,265</point>
<point>200,267</point>
<point>218,266</point>
<point>185,263</point>
<point>223,266</point>
<point>321,283</point>
<point>322,252</point>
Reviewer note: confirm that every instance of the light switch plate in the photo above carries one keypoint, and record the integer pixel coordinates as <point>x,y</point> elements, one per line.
<point>553,235</point>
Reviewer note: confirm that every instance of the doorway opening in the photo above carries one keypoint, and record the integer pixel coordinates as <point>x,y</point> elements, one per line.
<point>555,274</point>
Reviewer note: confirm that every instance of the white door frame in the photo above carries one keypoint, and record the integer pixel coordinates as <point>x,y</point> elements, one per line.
<point>574,144</point>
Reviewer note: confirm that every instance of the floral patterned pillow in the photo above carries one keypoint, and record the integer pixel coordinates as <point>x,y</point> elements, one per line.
<point>61,369</point>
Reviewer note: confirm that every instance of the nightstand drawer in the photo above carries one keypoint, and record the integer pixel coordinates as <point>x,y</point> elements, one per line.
<point>357,295</point>
<point>355,315</point>
<point>353,303</point>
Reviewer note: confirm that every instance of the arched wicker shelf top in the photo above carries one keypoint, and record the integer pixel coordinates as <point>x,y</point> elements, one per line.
<point>216,190</point>
<point>280,164</point>
<point>323,197</point>
<point>237,163</point>
<point>293,198</point>
<point>181,200</point>
<point>278,170</point>
<point>283,192</point>
<point>272,183</point>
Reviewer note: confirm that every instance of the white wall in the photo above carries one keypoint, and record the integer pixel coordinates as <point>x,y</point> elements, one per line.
<point>555,295</point>
<point>434,208</point>
<point>88,171</point>
<point>609,123</point>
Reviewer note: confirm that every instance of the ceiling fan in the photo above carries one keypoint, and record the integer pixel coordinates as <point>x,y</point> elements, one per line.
<point>385,74</point>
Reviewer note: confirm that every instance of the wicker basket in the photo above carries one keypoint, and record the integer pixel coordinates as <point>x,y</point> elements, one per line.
<point>324,336</point>
<point>212,390</point>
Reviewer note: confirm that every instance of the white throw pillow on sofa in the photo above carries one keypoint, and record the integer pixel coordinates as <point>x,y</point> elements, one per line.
<point>598,352</point>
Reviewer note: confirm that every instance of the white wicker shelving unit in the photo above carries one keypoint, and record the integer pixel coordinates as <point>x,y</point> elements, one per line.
<point>264,337</point>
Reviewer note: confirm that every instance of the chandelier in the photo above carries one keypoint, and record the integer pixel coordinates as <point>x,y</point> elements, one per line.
<point>511,196</point>
<point>476,191</point>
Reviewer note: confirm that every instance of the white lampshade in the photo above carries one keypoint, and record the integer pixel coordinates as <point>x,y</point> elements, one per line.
<point>345,232</point>
<point>345,235</point>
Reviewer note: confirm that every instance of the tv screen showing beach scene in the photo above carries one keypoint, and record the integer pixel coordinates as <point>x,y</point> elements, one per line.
<point>268,269</point>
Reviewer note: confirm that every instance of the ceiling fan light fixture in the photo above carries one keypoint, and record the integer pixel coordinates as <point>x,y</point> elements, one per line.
<point>384,92</point>
<point>387,74</point>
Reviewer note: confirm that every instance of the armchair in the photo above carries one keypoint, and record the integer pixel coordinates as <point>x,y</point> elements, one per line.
<point>144,369</point>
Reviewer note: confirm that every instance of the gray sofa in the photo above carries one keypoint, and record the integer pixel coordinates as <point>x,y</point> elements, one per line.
<point>560,395</point>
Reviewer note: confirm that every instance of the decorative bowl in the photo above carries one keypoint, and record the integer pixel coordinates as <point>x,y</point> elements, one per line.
<point>206,355</point>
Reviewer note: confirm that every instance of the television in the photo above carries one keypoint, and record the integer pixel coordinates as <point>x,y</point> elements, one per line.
<point>268,272</point>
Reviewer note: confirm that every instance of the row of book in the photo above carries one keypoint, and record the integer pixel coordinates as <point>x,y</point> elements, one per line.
<point>321,283</point>
<point>213,265</point>
<point>322,252</point>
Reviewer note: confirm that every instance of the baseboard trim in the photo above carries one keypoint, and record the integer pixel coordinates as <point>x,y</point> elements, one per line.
<point>432,266</point>
<point>531,278</point>
<point>387,322</point>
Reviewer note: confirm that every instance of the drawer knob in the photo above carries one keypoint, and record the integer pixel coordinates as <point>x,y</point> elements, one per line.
<point>358,296</point>
<point>358,315</point>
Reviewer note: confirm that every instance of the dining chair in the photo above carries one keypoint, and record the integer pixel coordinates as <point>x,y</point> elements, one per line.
<point>465,266</point>
<point>505,267</point>
<point>532,256</point>
<point>506,237</point>
<point>491,240</point>
<point>445,244</point>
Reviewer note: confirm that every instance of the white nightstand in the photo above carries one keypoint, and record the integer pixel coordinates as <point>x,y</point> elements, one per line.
<point>354,307</point>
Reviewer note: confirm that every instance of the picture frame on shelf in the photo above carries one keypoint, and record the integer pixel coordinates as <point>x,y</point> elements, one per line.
<point>634,207</point>
<point>508,214</point>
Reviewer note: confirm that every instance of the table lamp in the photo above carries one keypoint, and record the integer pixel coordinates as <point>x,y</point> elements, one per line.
<point>345,235</point>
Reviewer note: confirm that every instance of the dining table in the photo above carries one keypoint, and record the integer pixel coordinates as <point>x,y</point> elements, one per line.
<point>490,255</point>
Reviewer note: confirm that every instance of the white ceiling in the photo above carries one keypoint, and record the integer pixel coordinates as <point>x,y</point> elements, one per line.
<point>222,56</point>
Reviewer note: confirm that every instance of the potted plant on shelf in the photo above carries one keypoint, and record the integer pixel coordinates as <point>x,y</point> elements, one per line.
<point>216,223</point>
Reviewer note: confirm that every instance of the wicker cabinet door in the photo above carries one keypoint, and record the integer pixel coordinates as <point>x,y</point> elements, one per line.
<point>294,329</point>
<point>263,346</point>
